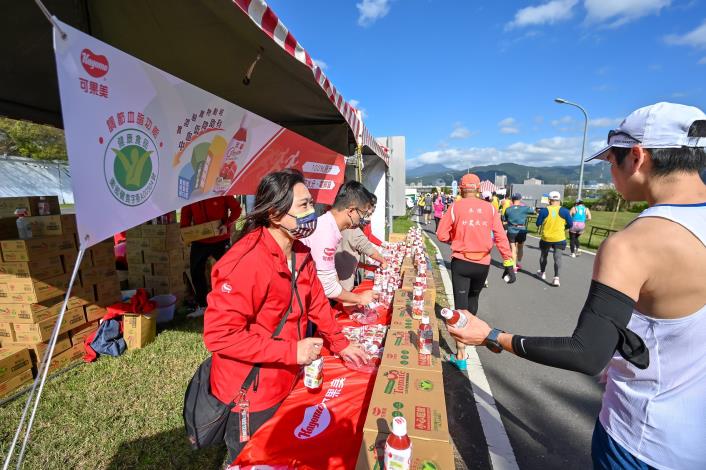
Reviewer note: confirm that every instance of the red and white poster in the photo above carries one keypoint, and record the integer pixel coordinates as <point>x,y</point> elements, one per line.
<point>142,142</point>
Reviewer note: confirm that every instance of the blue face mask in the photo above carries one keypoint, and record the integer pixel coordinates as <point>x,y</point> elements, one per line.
<point>306,224</point>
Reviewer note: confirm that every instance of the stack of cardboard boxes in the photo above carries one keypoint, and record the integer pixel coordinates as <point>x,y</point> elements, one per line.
<point>34,277</point>
<point>157,259</point>
<point>411,385</point>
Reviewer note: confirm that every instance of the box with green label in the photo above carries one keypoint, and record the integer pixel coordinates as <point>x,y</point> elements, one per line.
<point>426,455</point>
<point>402,350</point>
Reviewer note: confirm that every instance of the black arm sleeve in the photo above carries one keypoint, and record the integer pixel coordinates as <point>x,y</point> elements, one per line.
<point>600,331</point>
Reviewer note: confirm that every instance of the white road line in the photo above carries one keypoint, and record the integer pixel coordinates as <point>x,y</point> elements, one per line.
<point>502,457</point>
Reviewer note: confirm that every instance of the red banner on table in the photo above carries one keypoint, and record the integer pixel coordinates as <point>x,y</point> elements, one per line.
<point>315,430</point>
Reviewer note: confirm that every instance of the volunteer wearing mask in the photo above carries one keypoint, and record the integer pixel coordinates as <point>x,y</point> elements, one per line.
<point>252,290</point>
<point>468,226</point>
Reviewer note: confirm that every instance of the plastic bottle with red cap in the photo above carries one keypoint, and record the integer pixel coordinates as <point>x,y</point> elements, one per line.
<point>454,318</point>
<point>398,447</point>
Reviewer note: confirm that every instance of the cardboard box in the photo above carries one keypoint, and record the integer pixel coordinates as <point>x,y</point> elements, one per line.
<point>135,281</point>
<point>416,395</point>
<point>134,232</point>
<point>28,290</point>
<point>103,255</point>
<point>426,455</point>
<point>98,274</point>
<point>16,383</point>
<point>108,292</point>
<point>402,350</point>
<point>67,357</point>
<point>35,249</point>
<point>161,256</point>
<point>141,269</point>
<point>41,332</point>
<point>48,267</point>
<point>139,330</point>
<point>160,230</point>
<point>134,256</point>
<point>69,261</point>
<point>37,350</point>
<point>34,313</point>
<point>45,225</point>
<point>77,335</point>
<point>8,205</point>
<point>94,312</point>
<point>13,360</point>
<point>68,223</point>
<point>167,269</point>
<point>200,231</point>
<point>7,333</point>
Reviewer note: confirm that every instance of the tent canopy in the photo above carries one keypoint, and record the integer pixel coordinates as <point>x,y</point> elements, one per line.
<point>209,43</point>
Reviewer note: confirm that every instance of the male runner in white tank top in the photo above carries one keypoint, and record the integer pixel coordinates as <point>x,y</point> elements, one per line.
<point>645,315</point>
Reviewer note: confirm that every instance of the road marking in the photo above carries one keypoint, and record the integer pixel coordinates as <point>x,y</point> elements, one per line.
<point>502,457</point>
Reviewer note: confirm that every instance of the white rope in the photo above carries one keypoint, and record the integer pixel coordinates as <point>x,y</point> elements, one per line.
<point>50,17</point>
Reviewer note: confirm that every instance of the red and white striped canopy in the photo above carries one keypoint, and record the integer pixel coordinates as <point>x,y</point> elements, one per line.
<point>487,186</point>
<point>263,16</point>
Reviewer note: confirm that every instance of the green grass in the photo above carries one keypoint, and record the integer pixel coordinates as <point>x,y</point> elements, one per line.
<point>600,219</point>
<point>116,413</point>
<point>402,224</point>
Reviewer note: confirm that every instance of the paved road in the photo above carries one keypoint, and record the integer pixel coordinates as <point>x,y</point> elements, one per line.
<point>549,414</point>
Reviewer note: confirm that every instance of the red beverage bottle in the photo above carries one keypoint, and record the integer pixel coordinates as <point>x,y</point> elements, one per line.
<point>398,447</point>
<point>454,318</point>
<point>426,336</point>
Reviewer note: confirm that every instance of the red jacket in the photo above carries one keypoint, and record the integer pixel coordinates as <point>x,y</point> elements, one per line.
<point>216,208</point>
<point>368,231</point>
<point>251,292</point>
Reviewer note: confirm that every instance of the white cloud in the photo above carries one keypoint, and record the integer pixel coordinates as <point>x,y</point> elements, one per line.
<point>605,122</point>
<point>356,105</point>
<point>695,38</point>
<point>563,121</point>
<point>372,10</point>
<point>679,94</point>
<point>507,122</point>
<point>554,151</point>
<point>508,126</point>
<point>460,132</point>
<point>509,130</point>
<point>619,12</point>
<point>322,65</point>
<point>547,13</point>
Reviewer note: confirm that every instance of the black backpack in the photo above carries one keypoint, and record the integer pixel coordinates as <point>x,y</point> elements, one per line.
<point>205,416</point>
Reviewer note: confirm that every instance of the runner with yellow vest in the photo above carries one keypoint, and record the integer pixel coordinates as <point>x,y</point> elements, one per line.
<point>554,220</point>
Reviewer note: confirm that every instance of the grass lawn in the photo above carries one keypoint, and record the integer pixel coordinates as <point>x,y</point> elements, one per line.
<point>120,412</point>
<point>402,224</point>
<point>600,219</point>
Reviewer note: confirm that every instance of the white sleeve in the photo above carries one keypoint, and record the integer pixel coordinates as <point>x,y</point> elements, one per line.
<point>329,281</point>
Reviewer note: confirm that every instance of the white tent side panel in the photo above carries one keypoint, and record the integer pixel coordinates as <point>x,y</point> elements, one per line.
<point>21,176</point>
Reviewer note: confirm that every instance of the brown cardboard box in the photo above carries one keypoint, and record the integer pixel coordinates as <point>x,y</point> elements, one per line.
<point>28,290</point>
<point>68,223</point>
<point>167,243</point>
<point>416,395</point>
<point>36,350</point>
<point>108,292</point>
<point>36,248</point>
<point>34,313</point>
<point>166,269</point>
<point>142,269</point>
<point>426,455</point>
<point>69,261</point>
<point>139,330</point>
<point>402,350</point>
<point>134,256</point>
<point>8,205</point>
<point>65,358</point>
<point>13,360</point>
<point>134,232</point>
<point>48,267</point>
<point>99,274</point>
<point>161,256</point>
<point>77,335</point>
<point>94,312</point>
<point>7,333</point>
<point>16,383</point>
<point>103,254</point>
<point>160,231</point>
<point>200,231</point>
<point>45,225</point>
<point>135,281</point>
<point>41,332</point>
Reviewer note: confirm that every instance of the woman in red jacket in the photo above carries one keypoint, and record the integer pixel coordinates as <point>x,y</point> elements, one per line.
<point>252,290</point>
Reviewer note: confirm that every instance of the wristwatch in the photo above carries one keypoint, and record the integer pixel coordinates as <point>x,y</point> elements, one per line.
<point>491,342</point>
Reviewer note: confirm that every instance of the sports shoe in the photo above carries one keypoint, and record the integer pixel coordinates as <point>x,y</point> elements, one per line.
<point>459,363</point>
<point>556,281</point>
<point>196,313</point>
<point>542,275</point>
<point>573,255</point>
<point>519,266</point>
<point>486,283</point>
<point>516,268</point>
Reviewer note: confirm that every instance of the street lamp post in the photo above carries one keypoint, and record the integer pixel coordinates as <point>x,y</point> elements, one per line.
<point>583,147</point>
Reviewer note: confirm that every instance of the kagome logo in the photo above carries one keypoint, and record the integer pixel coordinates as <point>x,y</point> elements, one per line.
<point>316,420</point>
<point>95,65</point>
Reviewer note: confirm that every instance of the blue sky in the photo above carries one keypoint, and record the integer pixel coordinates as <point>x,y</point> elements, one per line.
<point>472,82</point>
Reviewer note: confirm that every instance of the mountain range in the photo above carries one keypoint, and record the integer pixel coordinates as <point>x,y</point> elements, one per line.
<point>598,173</point>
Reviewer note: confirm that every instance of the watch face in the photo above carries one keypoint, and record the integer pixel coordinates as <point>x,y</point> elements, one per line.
<point>495,347</point>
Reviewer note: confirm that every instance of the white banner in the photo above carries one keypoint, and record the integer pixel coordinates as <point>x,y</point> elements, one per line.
<point>142,142</point>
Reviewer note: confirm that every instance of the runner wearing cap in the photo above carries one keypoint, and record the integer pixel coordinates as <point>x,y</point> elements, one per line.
<point>554,221</point>
<point>468,225</point>
<point>645,315</point>
<point>516,219</point>
<point>580,214</point>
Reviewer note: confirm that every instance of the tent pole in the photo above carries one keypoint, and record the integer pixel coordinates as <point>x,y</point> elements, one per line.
<point>42,372</point>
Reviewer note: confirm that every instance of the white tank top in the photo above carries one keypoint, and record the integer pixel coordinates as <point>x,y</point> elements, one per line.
<point>659,414</point>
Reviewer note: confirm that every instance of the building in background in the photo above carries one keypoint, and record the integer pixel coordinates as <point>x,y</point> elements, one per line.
<point>537,195</point>
<point>534,181</point>
<point>500,181</point>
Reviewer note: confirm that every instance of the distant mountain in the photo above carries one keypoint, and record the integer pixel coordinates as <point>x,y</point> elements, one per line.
<point>599,172</point>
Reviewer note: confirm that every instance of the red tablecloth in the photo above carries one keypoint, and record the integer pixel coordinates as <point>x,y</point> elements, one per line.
<point>318,430</point>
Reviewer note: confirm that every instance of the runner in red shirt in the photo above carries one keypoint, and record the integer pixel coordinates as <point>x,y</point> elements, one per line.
<point>468,225</point>
<point>227,210</point>
<point>252,290</point>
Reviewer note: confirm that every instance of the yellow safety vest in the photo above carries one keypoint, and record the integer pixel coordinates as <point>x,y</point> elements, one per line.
<point>554,226</point>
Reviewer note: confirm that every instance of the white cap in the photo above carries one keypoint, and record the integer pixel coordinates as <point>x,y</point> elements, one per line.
<point>661,125</point>
<point>399,426</point>
<point>425,319</point>
<point>486,194</point>
<point>447,313</point>
<point>554,196</point>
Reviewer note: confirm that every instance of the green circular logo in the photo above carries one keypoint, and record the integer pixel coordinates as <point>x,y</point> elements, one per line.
<point>398,405</point>
<point>131,166</point>
<point>396,414</point>
<point>426,385</point>
<point>427,465</point>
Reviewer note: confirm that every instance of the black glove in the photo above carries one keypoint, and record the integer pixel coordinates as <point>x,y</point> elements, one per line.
<point>509,271</point>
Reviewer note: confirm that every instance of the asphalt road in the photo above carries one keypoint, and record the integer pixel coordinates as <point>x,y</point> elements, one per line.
<point>548,413</point>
